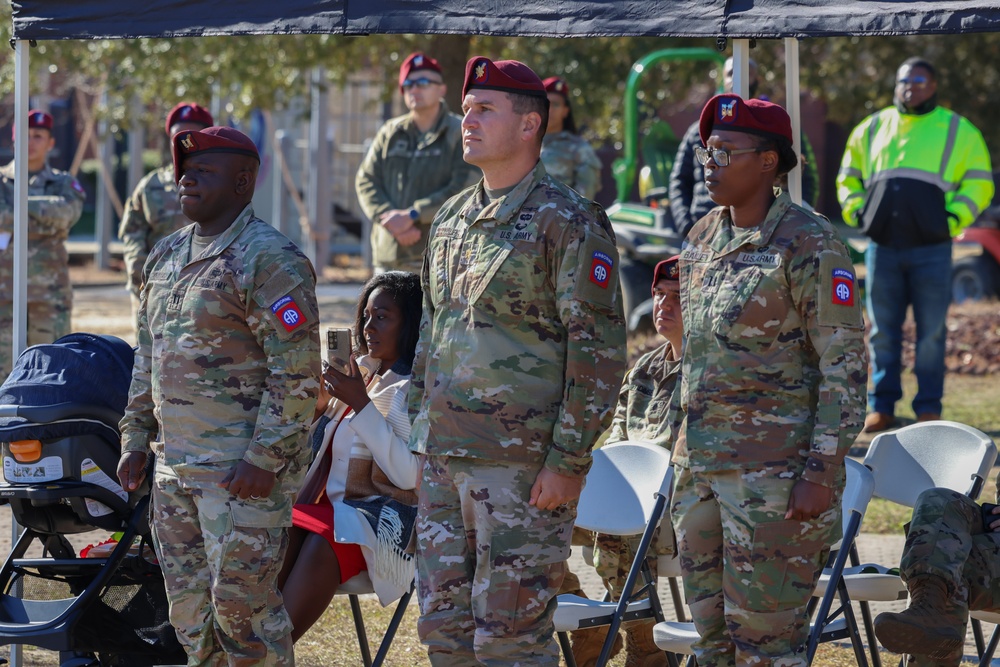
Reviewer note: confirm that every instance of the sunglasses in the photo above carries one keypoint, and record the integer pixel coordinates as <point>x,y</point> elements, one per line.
<point>913,81</point>
<point>721,156</point>
<point>421,83</point>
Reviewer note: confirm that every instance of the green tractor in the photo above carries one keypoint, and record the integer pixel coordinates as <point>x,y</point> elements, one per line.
<point>645,230</point>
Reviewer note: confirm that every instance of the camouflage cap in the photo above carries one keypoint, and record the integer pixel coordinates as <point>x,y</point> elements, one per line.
<point>188,112</point>
<point>509,76</point>
<point>210,140</point>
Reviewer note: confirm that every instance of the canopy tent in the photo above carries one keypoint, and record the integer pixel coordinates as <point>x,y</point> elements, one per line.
<point>112,19</point>
<point>739,20</point>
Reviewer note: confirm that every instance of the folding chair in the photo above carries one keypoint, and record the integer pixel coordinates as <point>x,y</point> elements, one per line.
<point>906,463</point>
<point>361,584</point>
<point>985,651</point>
<point>626,494</point>
<point>830,623</point>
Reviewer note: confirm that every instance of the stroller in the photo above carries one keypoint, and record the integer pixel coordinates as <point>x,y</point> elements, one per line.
<point>60,444</point>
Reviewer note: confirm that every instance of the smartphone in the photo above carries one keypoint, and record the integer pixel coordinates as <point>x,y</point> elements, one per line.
<point>338,348</point>
<point>988,516</point>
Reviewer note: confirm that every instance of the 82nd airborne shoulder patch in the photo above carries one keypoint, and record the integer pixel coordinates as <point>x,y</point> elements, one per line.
<point>288,313</point>
<point>843,288</point>
<point>600,269</point>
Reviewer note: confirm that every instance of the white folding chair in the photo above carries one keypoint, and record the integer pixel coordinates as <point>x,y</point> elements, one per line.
<point>361,584</point>
<point>830,624</point>
<point>626,494</point>
<point>906,463</point>
<point>985,651</point>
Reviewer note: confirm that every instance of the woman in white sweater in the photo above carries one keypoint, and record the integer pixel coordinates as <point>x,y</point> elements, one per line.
<point>356,506</point>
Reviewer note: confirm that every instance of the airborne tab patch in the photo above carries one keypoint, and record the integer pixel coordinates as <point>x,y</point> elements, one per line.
<point>288,313</point>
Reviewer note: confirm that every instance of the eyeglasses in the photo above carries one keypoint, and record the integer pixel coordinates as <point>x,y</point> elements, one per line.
<point>720,155</point>
<point>420,83</point>
<point>917,81</point>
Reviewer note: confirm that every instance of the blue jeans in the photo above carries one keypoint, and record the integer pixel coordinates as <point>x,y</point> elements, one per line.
<point>898,278</point>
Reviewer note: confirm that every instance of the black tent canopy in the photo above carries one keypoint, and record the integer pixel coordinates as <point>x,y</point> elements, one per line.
<point>113,19</point>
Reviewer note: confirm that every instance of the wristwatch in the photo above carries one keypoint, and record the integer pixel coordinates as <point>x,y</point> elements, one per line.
<point>414,214</point>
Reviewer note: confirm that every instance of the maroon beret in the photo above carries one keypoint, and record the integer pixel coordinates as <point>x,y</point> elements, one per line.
<point>417,61</point>
<point>38,118</point>
<point>554,84</point>
<point>210,140</point>
<point>667,269</point>
<point>188,112</point>
<point>509,76</point>
<point>732,112</point>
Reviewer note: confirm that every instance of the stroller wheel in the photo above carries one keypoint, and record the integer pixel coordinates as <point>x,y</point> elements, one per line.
<point>57,546</point>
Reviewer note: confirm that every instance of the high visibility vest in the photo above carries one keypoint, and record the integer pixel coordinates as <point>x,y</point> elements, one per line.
<point>939,148</point>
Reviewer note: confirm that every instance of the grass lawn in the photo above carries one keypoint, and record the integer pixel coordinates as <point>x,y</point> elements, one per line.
<point>332,642</point>
<point>970,400</point>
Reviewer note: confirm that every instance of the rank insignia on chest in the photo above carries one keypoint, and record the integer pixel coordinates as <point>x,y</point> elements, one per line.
<point>600,269</point>
<point>843,287</point>
<point>288,313</point>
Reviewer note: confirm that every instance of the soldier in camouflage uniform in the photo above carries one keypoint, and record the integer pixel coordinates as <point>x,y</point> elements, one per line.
<point>566,155</point>
<point>154,211</point>
<point>950,566</point>
<point>414,164</point>
<point>521,354</point>
<point>641,414</point>
<point>223,391</point>
<point>772,394</point>
<point>55,202</point>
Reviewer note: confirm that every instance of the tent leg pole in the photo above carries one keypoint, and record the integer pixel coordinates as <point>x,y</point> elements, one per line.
<point>792,100</point>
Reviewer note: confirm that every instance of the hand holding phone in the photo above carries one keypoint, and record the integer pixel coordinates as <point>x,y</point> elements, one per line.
<point>990,517</point>
<point>338,348</point>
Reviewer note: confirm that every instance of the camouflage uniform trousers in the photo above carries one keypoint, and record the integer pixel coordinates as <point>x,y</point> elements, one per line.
<point>748,572</point>
<point>489,565</point>
<point>220,558</point>
<point>48,321</point>
<point>947,538</point>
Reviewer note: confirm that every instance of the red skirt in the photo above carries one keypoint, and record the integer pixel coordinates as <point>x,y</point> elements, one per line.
<point>319,519</point>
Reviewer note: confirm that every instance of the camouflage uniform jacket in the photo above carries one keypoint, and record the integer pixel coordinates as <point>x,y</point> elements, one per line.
<point>644,399</point>
<point>522,340</point>
<point>227,366</point>
<point>55,202</point>
<point>406,168</point>
<point>570,159</point>
<point>152,212</point>
<point>774,366</point>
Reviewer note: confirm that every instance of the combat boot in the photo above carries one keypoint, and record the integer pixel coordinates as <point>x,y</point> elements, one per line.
<point>587,645</point>
<point>928,627</point>
<point>640,651</point>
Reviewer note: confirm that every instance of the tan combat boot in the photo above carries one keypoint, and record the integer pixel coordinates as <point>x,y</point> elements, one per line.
<point>928,627</point>
<point>640,651</point>
<point>587,645</point>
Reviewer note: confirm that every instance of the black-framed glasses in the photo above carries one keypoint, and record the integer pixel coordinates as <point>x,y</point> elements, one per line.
<point>721,156</point>
<point>916,80</point>
<point>421,83</point>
